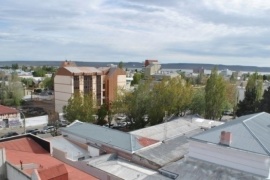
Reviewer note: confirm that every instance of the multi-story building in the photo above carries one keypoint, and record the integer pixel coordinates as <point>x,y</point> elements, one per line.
<point>102,83</point>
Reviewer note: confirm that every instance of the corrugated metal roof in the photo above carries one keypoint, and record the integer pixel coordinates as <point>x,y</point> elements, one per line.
<point>167,152</point>
<point>191,169</point>
<point>249,133</point>
<point>106,136</point>
<point>167,130</point>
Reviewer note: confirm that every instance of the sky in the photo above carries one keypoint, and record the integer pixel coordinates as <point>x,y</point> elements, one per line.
<point>231,32</point>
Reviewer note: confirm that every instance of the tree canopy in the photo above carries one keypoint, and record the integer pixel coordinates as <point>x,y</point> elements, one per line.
<point>215,96</point>
<point>253,95</point>
<point>80,107</point>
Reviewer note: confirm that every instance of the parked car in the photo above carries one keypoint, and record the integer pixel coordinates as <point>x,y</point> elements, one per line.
<point>62,123</point>
<point>33,131</point>
<point>9,134</point>
<point>48,129</point>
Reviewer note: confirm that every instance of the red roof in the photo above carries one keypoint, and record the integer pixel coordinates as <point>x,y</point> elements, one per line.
<point>58,172</point>
<point>7,110</point>
<point>146,141</point>
<point>28,151</point>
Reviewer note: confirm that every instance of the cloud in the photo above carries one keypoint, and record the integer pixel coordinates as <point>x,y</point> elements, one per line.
<point>133,30</point>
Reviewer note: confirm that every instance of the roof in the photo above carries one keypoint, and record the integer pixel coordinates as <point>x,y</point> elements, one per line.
<point>53,172</point>
<point>191,169</point>
<point>7,110</point>
<point>166,130</point>
<point>249,133</point>
<point>166,152</point>
<point>107,136</point>
<point>80,70</point>
<point>31,154</point>
<point>72,150</point>
<point>123,169</point>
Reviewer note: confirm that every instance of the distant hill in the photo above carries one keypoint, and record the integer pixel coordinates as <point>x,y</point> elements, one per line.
<point>139,65</point>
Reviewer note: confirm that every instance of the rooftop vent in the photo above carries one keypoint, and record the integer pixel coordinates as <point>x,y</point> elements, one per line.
<point>225,138</point>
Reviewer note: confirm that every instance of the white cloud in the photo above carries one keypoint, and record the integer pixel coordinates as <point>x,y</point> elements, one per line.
<point>231,32</point>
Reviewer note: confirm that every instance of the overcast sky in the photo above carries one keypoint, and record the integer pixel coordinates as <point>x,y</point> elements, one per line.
<point>172,31</point>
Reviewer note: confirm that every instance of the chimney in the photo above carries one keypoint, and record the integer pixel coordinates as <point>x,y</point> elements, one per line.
<point>225,138</point>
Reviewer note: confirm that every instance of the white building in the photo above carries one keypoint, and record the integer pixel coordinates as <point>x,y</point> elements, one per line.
<point>242,144</point>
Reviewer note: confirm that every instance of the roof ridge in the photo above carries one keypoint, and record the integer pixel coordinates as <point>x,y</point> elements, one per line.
<point>255,137</point>
<point>255,115</point>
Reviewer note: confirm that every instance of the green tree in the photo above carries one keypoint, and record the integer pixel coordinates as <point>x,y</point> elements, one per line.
<point>133,104</point>
<point>214,96</point>
<point>255,82</point>
<point>249,104</point>
<point>198,102</point>
<point>102,113</point>
<point>121,65</point>
<point>136,78</point>
<point>12,91</point>
<point>28,82</point>
<point>48,82</point>
<point>265,101</point>
<point>39,72</point>
<point>15,66</point>
<point>80,107</point>
<point>24,68</point>
<point>253,95</point>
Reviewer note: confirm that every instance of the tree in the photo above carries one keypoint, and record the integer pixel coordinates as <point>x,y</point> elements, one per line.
<point>80,107</point>
<point>255,82</point>
<point>231,97</point>
<point>133,104</point>
<point>121,65</point>
<point>214,96</point>
<point>253,95</point>
<point>265,101</point>
<point>39,72</point>
<point>28,82</point>
<point>15,66</point>
<point>136,78</point>
<point>249,105</point>
<point>102,113</point>
<point>198,102</point>
<point>12,92</point>
<point>48,82</point>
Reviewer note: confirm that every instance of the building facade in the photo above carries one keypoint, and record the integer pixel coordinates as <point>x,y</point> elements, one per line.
<point>9,117</point>
<point>102,83</point>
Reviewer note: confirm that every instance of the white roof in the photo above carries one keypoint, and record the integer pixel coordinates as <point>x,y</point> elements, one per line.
<point>124,169</point>
<point>167,130</point>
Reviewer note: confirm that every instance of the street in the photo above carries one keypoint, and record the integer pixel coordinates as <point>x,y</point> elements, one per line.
<point>20,130</point>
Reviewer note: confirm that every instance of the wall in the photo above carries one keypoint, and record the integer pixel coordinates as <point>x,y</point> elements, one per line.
<point>63,89</point>
<point>121,80</point>
<point>2,163</point>
<point>36,121</point>
<point>226,156</point>
<point>15,174</point>
<point>94,152</point>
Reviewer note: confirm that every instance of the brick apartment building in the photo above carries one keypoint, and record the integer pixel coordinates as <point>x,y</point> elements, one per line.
<point>103,83</point>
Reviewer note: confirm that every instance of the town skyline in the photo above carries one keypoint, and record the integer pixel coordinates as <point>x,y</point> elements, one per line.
<point>205,31</point>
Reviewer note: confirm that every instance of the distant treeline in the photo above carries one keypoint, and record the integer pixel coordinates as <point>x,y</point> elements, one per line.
<point>139,65</point>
